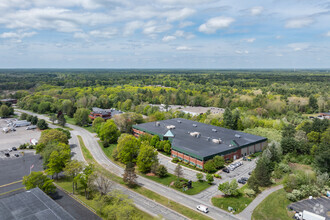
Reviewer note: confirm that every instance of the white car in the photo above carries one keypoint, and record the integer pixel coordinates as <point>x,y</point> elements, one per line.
<point>10,150</point>
<point>202,208</point>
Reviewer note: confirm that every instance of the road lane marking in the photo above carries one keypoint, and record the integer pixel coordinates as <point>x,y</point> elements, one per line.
<point>8,184</point>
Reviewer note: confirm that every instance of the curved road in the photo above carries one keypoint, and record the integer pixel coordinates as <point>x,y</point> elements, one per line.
<point>91,143</point>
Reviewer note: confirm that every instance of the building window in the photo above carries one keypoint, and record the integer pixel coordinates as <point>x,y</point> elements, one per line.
<point>192,163</point>
<point>186,161</point>
<point>173,155</point>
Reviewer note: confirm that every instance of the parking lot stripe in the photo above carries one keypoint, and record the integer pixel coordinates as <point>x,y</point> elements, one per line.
<point>8,184</point>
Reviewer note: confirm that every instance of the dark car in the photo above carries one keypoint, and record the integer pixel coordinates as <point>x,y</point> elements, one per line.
<point>241,181</point>
<point>16,155</point>
<point>244,178</point>
<point>250,173</point>
<point>226,170</point>
<point>14,149</point>
<point>7,154</point>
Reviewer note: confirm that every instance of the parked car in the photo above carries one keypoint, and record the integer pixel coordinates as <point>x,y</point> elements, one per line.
<point>242,181</point>
<point>226,170</point>
<point>202,208</point>
<point>14,148</point>
<point>7,154</point>
<point>245,178</point>
<point>16,155</point>
<point>250,173</point>
<point>10,150</point>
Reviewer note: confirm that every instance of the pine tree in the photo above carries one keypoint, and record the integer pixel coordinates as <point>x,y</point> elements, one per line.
<point>129,175</point>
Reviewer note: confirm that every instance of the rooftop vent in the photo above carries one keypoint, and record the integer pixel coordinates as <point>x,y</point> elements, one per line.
<point>217,141</point>
<point>214,130</point>
<point>179,121</point>
<point>237,135</point>
<point>194,125</point>
<point>208,138</point>
<point>170,127</point>
<point>195,134</point>
<point>230,145</point>
<point>157,123</point>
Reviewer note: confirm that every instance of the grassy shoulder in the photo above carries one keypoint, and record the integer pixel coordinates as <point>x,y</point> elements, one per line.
<point>273,207</point>
<point>238,203</point>
<point>72,122</point>
<point>191,214</point>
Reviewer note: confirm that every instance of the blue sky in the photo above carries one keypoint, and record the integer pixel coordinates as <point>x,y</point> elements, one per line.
<point>164,34</point>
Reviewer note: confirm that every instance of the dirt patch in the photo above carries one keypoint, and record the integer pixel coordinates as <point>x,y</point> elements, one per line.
<point>150,174</point>
<point>219,196</point>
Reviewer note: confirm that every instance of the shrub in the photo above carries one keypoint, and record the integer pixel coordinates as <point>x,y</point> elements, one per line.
<point>297,194</point>
<point>178,184</point>
<point>209,166</point>
<point>175,160</point>
<point>249,192</point>
<point>209,178</point>
<point>285,168</point>
<point>23,146</point>
<point>217,176</point>
<point>161,171</point>
<point>291,197</point>
<point>200,177</point>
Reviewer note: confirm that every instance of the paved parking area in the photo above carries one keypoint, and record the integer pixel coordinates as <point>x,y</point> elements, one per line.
<point>16,138</point>
<point>12,169</point>
<point>320,206</point>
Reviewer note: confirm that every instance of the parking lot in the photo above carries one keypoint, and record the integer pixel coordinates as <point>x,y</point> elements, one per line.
<point>16,138</point>
<point>319,206</point>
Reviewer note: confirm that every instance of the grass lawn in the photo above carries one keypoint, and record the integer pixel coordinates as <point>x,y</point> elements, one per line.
<point>237,203</point>
<point>192,214</point>
<point>273,207</point>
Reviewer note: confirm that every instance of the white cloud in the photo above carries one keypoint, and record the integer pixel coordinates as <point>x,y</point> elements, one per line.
<point>249,40</point>
<point>179,14</point>
<point>327,34</point>
<point>131,27</point>
<point>17,34</point>
<point>241,51</point>
<point>103,33</point>
<point>183,48</point>
<point>256,10</point>
<point>151,28</point>
<point>185,24</point>
<point>299,22</point>
<point>213,24</point>
<point>298,46</point>
<point>168,38</point>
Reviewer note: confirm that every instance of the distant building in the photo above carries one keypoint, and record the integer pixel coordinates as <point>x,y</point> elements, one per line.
<point>103,113</point>
<point>196,142</point>
<point>12,101</point>
<point>324,115</point>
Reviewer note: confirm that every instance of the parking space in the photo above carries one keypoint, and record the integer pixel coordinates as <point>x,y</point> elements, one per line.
<point>16,138</point>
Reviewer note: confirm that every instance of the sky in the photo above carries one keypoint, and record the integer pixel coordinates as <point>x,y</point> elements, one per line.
<point>206,34</point>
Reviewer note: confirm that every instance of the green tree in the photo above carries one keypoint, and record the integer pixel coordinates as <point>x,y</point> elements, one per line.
<point>325,136</point>
<point>61,120</point>
<point>218,161</point>
<point>86,179</point>
<point>154,140</point>
<point>129,175</point>
<point>263,171</point>
<point>253,183</point>
<point>42,124</point>
<point>66,132</point>
<point>209,178</point>
<point>322,158</point>
<point>127,148</point>
<point>4,111</point>
<point>228,119</point>
<point>199,176</point>
<point>72,169</point>
<point>147,156</point>
<point>314,136</point>
<point>67,106</point>
<point>29,117</point>
<point>38,179</point>
<point>167,147</point>
<point>44,107</point>
<point>52,118</point>
<point>178,171</point>
<point>97,124</point>
<point>288,145</point>
<point>23,116</point>
<point>288,131</point>
<point>108,133</point>
<point>34,120</point>
<point>81,116</point>
<point>229,189</point>
<point>58,160</point>
<point>161,171</point>
<point>313,103</point>
<point>53,135</point>
<point>209,166</point>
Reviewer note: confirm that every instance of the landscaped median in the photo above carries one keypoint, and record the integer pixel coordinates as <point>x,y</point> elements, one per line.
<point>189,213</point>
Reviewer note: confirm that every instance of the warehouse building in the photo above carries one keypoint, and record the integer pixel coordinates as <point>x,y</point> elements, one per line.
<point>196,142</point>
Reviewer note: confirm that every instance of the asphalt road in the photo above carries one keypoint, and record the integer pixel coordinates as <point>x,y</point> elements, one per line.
<point>188,201</point>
